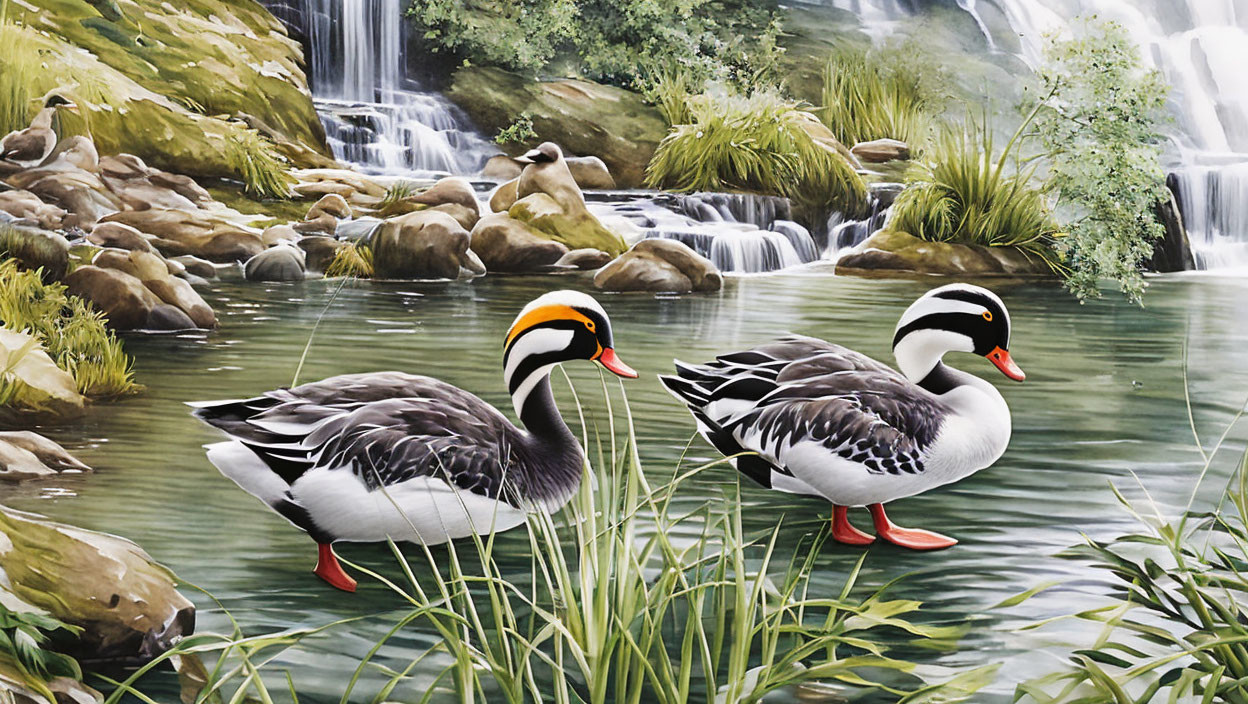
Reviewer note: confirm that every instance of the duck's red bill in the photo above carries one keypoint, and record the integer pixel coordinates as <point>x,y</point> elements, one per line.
<point>1001,358</point>
<point>613,364</point>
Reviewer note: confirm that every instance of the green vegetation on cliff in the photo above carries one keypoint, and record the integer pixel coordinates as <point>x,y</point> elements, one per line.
<point>761,143</point>
<point>893,92</point>
<point>611,41</point>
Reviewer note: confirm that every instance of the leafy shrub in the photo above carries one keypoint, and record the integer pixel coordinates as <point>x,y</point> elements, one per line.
<point>71,331</point>
<point>259,164</point>
<point>23,637</point>
<point>520,130</point>
<point>613,41</point>
<point>961,193</point>
<point>1098,117</point>
<point>762,143</point>
<point>353,259</point>
<point>894,92</point>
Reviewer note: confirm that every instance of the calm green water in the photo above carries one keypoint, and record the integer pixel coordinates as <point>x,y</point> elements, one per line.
<point>1103,398</point>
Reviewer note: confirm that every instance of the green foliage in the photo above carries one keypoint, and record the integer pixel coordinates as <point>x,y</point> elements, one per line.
<point>255,160</point>
<point>352,259</point>
<point>71,331</point>
<point>520,130</point>
<point>892,92</point>
<point>763,143</point>
<point>18,61</point>
<point>960,192</point>
<point>1099,119</point>
<point>23,641</point>
<point>670,90</point>
<point>612,41</point>
<point>397,192</point>
<point>614,610</point>
<point>1177,628</point>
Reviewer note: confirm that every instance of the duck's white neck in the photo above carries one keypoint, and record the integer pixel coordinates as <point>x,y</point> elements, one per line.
<point>44,119</point>
<point>919,353</point>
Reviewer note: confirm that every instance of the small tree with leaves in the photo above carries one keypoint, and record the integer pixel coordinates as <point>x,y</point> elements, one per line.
<point>1098,117</point>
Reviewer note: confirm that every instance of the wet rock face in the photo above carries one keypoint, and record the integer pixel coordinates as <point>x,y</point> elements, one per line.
<point>889,251</point>
<point>35,248</point>
<point>126,604</point>
<point>281,263</point>
<point>584,117</point>
<point>660,266</point>
<point>421,245</point>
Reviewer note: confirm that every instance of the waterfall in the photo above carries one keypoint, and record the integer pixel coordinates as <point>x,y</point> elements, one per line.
<point>375,115</point>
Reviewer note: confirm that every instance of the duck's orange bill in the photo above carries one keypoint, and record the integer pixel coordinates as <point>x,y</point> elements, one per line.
<point>1001,358</point>
<point>608,359</point>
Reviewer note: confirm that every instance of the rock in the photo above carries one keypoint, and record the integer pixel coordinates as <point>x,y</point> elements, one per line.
<point>578,229</point>
<point>320,251</point>
<point>119,235</point>
<point>278,234</point>
<point>27,455</point>
<point>143,266</point>
<point>584,259</point>
<point>505,244</point>
<point>449,190</point>
<point>196,266</point>
<point>352,186</point>
<point>588,171</point>
<point>889,251</point>
<point>878,151</point>
<point>40,386</point>
<point>420,245</point>
<point>183,297</point>
<point>205,234</point>
<point>26,205</point>
<point>1173,252</point>
<point>76,152</point>
<point>505,196</point>
<point>34,248</point>
<point>281,263</point>
<point>129,167</point>
<point>80,193</point>
<point>132,181</point>
<point>126,301</point>
<point>127,605</point>
<point>660,265</point>
<point>323,216</point>
<point>154,273</point>
<point>611,123</point>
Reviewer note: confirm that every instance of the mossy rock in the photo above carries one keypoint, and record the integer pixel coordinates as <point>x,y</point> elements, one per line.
<point>889,252</point>
<point>583,117</point>
<point>575,230</point>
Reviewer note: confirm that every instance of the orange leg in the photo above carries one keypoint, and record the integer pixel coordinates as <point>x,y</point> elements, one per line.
<point>844,532</point>
<point>913,538</point>
<point>328,569</point>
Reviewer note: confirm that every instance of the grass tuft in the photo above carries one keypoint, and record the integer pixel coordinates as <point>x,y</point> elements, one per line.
<point>352,259</point>
<point>883,93</point>
<point>762,143</point>
<point>961,193</point>
<point>258,163</point>
<point>71,331</point>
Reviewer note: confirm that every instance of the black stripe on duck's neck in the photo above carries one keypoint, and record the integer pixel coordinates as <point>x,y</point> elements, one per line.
<point>940,380</point>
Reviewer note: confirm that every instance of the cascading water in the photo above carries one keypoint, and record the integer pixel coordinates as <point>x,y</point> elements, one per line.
<point>375,116</point>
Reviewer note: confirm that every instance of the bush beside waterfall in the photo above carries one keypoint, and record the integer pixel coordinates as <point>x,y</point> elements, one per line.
<point>892,92</point>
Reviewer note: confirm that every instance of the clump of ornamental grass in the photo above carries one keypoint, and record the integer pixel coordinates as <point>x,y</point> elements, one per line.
<point>884,93</point>
<point>264,171</point>
<point>616,610</point>
<point>352,259</point>
<point>762,143</point>
<point>962,191</point>
<point>1177,626</point>
<point>72,332</point>
<point>23,651</point>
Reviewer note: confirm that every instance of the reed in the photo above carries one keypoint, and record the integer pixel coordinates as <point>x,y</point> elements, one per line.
<point>886,93</point>
<point>353,259</point>
<point>263,170</point>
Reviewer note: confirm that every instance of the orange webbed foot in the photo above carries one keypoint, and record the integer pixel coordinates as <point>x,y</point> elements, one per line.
<point>912,538</point>
<point>328,569</point>
<point>844,532</point>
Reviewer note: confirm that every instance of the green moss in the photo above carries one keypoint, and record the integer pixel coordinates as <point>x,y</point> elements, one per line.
<point>110,31</point>
<point>73,334</point>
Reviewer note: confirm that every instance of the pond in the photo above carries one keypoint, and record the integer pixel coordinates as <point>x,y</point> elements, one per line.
<point>1104,398</point>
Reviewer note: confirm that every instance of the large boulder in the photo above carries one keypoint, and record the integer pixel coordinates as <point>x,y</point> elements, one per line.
<point>27,455</point>
<point>660,265</point>
<point>128,304</point>
<point>34,248</point>
<point>590,172</point>
<point>879,151</point>
<point>611,123</point>
<point>892,252</point>
<point>505,196</point>
<point>211,235</point>
<point>575,228</point>
<point>421,245</point>
<point>505,244</point>
<point>120,236</point>
<point>319,251</point>
<point>80,193</point>
<point>356,188</point>
<point>127,605</point>
<point>1173,252</point>
<point>140,187</point>
<point>584,259</point>
<point>159,277</point>
<point>322,218</point>
<point>284,262</point>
